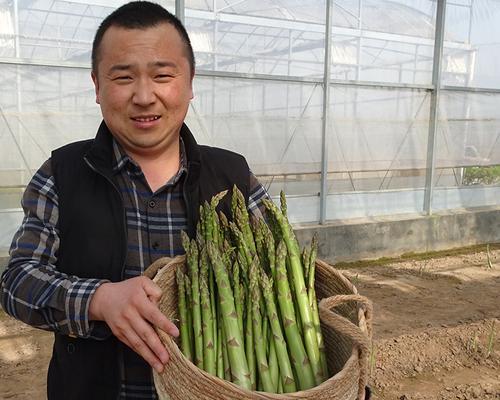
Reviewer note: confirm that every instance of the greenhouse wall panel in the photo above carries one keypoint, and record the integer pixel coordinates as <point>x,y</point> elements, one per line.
<point>360,148</point>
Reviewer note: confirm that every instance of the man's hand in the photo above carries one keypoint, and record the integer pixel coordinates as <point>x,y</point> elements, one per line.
<point>130,309</point>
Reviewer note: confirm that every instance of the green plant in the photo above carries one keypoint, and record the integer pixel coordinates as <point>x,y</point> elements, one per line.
<point>490,265</point>
<point>491,340</point>
<point>355,280</point>
<point>373,359</point>
<point>489,175</point>
<point>472,344</point>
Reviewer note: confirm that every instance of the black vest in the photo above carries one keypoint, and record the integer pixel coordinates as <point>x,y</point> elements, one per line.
<point>93,243</point>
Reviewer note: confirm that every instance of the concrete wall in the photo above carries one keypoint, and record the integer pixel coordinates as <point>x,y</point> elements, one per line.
<point>390,237</point>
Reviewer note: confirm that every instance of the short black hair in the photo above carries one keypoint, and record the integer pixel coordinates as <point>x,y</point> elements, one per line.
<point>140,15</point>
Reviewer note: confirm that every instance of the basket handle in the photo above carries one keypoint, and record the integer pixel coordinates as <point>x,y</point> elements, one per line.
<point>342,324</point>
<point>360,336</point>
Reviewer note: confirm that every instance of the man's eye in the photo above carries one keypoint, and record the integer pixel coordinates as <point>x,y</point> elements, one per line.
<point>122,78</point>
<point>163,76</point>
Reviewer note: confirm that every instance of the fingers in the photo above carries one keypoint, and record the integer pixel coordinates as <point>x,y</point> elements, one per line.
<point>153,291</point>
<point>131,311</point>
<point>155,317</point>
<point>148,346</point>
<point>153,314</point>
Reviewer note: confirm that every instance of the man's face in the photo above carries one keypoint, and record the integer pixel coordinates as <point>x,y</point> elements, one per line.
<point>143,86</point>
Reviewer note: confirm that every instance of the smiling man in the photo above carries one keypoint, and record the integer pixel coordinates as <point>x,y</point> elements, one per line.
<point>98,212</point>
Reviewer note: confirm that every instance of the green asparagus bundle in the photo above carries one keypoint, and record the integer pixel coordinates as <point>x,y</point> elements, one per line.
<point>247,305</point>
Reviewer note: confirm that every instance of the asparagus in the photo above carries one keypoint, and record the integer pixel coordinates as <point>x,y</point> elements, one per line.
<point>258,339</point>
<point>206,218</point>
<point>183,315</point>
<point>243,247</point>
<point>298,353</point>
<point>238,295</point>
<point>224,223</point>
<point>249,341</point>
<point>285,366</point>
<point>211,220</point>
<point>209,354</point>
<point>234,341</point>
<point>269,245</point>
<point>314,303</point>
<point>220,356</point>
<point>273,363</point>
<point>189,310</point>
<point>309,332</point>
<point>192,262</point>
<point>259,240</point>
<point>240,214</point>
<point>306,258</point>
<point>249,313</point>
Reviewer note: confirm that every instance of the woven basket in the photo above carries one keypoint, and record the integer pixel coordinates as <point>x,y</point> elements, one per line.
<point>346,331</point>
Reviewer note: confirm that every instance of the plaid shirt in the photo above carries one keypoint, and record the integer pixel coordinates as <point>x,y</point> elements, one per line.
<point>34,291</point>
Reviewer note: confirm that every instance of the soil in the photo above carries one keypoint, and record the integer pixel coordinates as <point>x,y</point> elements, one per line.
<point>436,332</point>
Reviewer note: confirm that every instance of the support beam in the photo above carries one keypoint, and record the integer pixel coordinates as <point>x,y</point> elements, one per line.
<point>433,123</point>
<point>180,10</point>
<point>326,106</point>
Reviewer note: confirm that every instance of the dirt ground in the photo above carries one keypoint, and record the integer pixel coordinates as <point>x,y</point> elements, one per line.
<point>436,332</point>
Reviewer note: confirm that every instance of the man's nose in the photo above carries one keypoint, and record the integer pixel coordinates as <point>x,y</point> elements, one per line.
<point>144,93</point>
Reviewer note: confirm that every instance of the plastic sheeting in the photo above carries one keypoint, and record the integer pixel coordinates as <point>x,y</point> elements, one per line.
<point>379,111</point>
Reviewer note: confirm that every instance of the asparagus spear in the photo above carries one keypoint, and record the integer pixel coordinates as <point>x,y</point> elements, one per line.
<point>234,341</point>
<point>189,309</point>
<point>243,247</point>
<point>225,356</point>
<point>298,355</point>
<point>285,366</point>
<point>192,262</point>
<point>273,361</point>
<point>249,341</point>
<point>259,343</point>
<point>306,258</point>
<point>309,332</point>
<point>240,214</point>
<point>314,303</point>
<point>238,295</point>
<point>220,356</point>
<point>209,355</point>
<point>183,315</point>
<point>269,245</point>
<point>211,219</point>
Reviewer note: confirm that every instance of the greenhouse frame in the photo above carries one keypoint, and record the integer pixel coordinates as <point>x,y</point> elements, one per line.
<point>357,109</point>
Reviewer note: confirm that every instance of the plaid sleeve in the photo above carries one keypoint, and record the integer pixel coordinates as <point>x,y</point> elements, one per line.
<point>257,194</point>
<point>32,289</point>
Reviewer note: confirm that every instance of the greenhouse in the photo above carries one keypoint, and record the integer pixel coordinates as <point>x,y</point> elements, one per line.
<point>250,199</point>
<point>356,108</point>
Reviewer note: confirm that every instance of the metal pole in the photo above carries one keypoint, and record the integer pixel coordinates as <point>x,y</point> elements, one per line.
<point>179,10</point>
<point>18,55</point>
<point>433,123</point>
<point>326,106</point>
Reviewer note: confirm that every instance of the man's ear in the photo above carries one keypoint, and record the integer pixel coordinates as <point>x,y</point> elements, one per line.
<point>191,86</point>
<point>96,86</point>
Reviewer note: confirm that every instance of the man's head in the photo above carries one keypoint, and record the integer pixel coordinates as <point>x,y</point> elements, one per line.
<point>143,78</point>
<point>140,15</point>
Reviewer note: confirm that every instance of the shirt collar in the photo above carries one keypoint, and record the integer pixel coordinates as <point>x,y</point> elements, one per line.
<point>121,160</point>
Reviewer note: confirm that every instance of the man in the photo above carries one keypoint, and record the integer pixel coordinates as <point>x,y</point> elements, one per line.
<point>98,212</point>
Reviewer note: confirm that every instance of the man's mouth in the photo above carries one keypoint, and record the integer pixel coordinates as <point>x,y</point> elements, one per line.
<point>146,118</point>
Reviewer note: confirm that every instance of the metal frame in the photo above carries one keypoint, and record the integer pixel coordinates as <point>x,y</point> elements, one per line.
<point>436,82</point>
<point>326,106</point>
<point>180,10</point>
<point>327,82</point>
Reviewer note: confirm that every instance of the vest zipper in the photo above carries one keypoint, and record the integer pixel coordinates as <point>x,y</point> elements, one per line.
<point>124,218</point>
<point>186,201</point>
